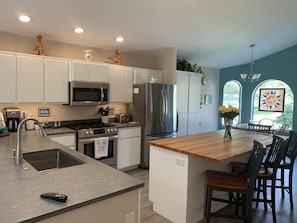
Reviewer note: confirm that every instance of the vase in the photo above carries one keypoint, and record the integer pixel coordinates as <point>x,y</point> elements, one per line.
<point>228,125</point>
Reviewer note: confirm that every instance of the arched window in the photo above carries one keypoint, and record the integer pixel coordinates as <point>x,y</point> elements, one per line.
<point>277,119</point>
<point>232,94</point>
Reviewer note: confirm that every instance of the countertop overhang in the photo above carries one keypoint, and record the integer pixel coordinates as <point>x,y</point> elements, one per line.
<point>213,146</point>
<point>84,184</point>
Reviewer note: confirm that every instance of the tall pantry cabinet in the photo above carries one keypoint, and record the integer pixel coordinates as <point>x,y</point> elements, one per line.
<point>188,102</point>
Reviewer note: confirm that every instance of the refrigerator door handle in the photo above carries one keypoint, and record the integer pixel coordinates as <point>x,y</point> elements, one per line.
<point>164,109</point>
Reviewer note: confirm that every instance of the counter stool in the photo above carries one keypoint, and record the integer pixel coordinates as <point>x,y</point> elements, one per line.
<point>242,185</point>
<point>268,172</point>
<point>288,164</point>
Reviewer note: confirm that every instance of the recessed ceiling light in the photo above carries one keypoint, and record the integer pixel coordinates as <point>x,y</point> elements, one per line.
<point>120,39</point>
<point>78,30</point>
<point>24,18</point>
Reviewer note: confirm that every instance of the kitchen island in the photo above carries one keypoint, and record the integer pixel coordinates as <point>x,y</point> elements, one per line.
<point>96,192</point>
<point>177,170</point>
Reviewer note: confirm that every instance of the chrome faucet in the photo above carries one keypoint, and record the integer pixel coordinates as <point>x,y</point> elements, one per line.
<point>19,153</point>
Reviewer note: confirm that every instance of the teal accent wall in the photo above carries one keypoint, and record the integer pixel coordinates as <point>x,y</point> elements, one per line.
<point>281,66</point>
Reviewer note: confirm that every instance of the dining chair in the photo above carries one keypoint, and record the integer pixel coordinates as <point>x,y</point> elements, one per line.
<point>259,128</point>
<point>240,184</point>
<point>268,173</point>
<point>288,164</point>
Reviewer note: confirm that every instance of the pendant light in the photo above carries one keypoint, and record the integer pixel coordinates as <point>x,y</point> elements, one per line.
<point>251,77</point>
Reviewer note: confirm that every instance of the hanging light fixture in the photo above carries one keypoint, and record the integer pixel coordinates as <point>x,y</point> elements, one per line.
<point>251,77</point>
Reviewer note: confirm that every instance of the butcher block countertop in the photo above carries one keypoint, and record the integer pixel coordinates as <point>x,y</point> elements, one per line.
<point>213,146</point>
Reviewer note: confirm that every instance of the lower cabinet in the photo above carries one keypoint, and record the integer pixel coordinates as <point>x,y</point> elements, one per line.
<point>68,139</point>
<point>129,148</point>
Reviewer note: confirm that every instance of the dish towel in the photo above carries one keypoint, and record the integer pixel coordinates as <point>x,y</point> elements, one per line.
<point>101,147</point>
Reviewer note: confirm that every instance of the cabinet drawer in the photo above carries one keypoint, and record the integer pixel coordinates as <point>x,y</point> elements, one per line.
<point>129,132</point>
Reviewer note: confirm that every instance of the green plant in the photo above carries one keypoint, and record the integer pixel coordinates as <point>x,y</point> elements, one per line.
<point>184,65</point>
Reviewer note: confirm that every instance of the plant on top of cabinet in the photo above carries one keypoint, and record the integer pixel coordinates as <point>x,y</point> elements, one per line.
<point>184,65</point>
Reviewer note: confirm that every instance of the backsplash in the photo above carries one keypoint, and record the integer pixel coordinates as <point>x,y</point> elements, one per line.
<point>66,112</point>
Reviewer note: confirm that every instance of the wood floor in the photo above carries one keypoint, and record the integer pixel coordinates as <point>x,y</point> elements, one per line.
<point>283,210</point>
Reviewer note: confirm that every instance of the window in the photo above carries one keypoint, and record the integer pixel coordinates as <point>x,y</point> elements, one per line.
<point>232,94</point>
<point>276,118</point>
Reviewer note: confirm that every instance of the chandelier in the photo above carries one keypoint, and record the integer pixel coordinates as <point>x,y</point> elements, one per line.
<point>251,77</point>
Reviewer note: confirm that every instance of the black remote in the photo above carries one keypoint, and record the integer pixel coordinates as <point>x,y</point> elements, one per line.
<point>54,196</point>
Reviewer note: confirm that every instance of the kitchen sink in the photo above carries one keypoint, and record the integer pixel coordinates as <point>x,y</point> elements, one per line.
<point>50,159</point>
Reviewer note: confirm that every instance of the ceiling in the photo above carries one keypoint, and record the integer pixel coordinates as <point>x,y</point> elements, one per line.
<point>213,33</point>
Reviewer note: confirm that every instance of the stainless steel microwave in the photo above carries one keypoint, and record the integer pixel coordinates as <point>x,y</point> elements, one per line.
<point>88,93</point>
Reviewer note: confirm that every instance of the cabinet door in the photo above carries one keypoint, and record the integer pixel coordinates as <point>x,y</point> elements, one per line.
<point>193,123</point>
<point>128,152</point>
<point>100,73</point>
<point>87,71</point>
<point>68,140</point>
<point>81,71</point>
<point>121,84</point>
<point>56,81</point>
<point>182,82</point>
<point>30,79</point>
<point>141,76</point>
<point>194,92</point>
<point>8,78</point>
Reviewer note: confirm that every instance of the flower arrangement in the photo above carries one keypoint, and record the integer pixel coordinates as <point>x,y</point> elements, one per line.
<point>229,112</point>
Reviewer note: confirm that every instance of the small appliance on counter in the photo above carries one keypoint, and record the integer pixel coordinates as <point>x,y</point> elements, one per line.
<point>123,118</point>
<point>12,118</point>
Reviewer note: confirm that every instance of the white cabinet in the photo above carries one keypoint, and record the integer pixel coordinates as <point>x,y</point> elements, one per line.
<point>129,147</point>
<point>121,84</point>
<point>30,79</point>
<point>8,78</point>
<point>188,102</point>
<point>67,139</point>
<point>89,71</point>
<point>142,76</point>
<point>56,81</point>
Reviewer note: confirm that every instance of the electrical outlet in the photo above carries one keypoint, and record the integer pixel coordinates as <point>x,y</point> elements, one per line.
<point>180,162</point>
<point>130,218</point>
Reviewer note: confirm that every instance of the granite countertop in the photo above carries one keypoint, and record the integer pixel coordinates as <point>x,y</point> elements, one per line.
<point>22,185</point>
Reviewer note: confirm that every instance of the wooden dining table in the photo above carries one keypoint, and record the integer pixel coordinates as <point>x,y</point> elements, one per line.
<point>177,169</point>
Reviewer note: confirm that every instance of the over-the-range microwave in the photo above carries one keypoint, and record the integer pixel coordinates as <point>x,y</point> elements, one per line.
<point>88,93</point>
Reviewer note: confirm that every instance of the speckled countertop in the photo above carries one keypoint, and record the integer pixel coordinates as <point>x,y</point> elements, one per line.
<point>21,186</point>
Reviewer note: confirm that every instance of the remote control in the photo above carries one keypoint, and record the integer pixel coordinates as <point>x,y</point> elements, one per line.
<point>54,196</point>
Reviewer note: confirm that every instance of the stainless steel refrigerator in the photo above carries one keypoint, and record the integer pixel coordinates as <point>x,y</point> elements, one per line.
<point>154,106</point>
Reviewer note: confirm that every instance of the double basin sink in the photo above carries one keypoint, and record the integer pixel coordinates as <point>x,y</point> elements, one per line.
<point>51,159</point>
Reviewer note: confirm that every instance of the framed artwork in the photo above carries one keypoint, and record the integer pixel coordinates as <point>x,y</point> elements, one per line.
<point>44,112</point>
<point>272,99</point>
<point>208,99</point>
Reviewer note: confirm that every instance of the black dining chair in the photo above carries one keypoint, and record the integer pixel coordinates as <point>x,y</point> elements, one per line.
<point>240,184</point>
<point>288,164</point>
<point>268,174</point>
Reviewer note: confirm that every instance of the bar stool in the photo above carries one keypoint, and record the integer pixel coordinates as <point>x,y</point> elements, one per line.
<point>267,174</point>
<point>288,164</point>
<point>242,185</point>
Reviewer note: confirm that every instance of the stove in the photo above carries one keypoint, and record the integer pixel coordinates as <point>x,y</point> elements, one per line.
<point>89,143</point>
<point>93,129</point>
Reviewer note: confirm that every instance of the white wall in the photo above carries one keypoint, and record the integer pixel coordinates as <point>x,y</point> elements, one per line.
<point>209,112</point>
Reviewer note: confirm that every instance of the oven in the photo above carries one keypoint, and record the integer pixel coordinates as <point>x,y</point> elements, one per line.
<point>87,147</point>
<point>89,139</point>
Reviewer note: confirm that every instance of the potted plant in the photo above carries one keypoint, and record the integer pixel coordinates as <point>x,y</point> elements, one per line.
<point>184,65</point>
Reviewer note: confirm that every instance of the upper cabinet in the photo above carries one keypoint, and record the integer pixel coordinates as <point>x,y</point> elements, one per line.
<point>142,76</point>
<point>89,71</point>
<point>8,78</point>
<point>30,79</point>
<point>121,84</point>
<point>56,81</point>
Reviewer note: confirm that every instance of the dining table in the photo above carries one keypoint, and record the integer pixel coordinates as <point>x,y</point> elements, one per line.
<point>177,172</point>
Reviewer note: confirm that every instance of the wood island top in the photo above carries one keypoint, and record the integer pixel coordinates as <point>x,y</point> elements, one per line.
<point>213,146</point>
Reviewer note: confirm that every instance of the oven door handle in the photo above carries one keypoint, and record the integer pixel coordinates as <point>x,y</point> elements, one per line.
<point>95,138</point>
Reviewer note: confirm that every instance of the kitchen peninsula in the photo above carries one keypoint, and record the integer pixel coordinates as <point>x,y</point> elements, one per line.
<point>95,191</point>
<point>177,169</point>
